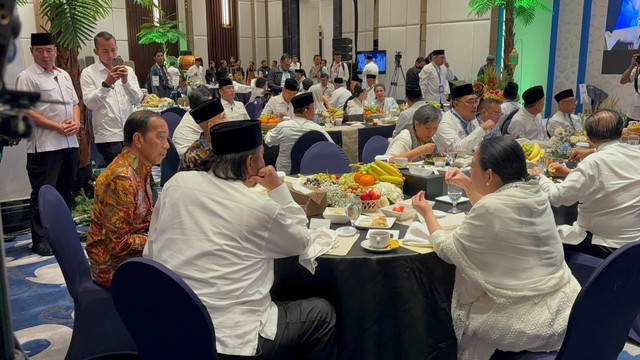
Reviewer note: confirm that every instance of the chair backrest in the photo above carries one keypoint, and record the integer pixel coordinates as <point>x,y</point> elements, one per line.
<point>605,308</point>
<point>89,60</point>
<point>63,239</point>
<point>165,317</point>
<point>170,163</point>
<point>176,110</point>
<point>254,108</point>
<point>504,129</point>
<point>300,147</point>
<point>377,145</point>
<point>172,120</point>
<point>325,156</point>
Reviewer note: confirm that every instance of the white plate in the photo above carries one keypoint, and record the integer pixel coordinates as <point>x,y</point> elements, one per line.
<point>445,199</point>
<point>439,214</point>
<point>365,244</point>
<point>364,222</point>
<point>346,231</point>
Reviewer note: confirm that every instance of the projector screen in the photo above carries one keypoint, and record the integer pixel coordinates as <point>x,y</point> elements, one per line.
<point>621,35</point>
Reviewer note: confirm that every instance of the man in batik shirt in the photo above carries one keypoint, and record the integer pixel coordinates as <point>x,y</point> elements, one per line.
<point>122,201</point>
<point>207,114</point>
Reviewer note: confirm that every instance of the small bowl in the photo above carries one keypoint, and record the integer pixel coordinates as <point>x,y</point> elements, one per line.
<point>418,169</point>
<point>336,215</point>
<point>401,161</point>
<point>408,212</point>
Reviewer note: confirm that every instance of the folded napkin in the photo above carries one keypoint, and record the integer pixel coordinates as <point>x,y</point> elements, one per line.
<point>322,240</point>
<point>417,235</point>
<point>571,234</point>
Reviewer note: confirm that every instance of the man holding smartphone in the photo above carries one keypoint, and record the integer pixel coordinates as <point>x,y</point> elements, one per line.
<point>110,90</point>
<point>631,75</point>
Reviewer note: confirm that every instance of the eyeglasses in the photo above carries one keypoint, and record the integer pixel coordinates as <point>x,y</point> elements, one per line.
<point>496,113</point>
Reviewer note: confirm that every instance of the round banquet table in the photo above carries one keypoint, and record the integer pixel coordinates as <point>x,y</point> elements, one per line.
<point>394,305</point>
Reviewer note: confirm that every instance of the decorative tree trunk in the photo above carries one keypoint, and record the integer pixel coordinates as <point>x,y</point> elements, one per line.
<point>509,38</point>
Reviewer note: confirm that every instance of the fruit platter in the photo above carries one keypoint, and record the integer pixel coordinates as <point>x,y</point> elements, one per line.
<point>377,184</point>
<point>268,121</point>
<point>153,100</point>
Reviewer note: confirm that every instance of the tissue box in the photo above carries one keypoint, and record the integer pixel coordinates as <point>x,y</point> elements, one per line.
<point>316,199</point>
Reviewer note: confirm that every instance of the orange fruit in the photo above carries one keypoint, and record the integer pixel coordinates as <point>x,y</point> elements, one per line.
<point>367,180</point>
<point>357,177</point>
<point>367,112</point>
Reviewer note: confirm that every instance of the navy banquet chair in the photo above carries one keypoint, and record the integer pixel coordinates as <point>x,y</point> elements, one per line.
<point>254,108</point>
<point>172,120</point>
<point>176,110</point>
<point>377,145</point>
<point>300,147</point>
<point>170,163</point>
<point>97,328</point>
<point>165,317</point>
<point>602,314</point>
<point>325,156</point>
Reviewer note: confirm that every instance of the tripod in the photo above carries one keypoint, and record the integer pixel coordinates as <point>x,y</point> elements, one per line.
<point>394,78</point>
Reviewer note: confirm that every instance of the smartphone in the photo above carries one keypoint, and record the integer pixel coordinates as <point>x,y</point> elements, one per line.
<point>116,61</point>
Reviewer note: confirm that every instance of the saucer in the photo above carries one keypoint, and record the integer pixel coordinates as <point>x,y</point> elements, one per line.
<point>346,231</point>
<point>365,244</point>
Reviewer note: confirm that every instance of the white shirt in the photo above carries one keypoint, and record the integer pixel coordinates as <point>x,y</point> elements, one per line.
<point>235,111</point>
<point>355,107</point>
<point>340,70</point>
<point>316,77</point>
<point>430,82</point>
<point>316,91</point>
<point>196,73</point>
<point>634,107</point>
<point>256,93</point>
<point>569,122</point>
<point>526,125</point>
<point>507,107</point>
<point>451,135</point>
<point>285,134</point>
<point>276,105</point>
<point>371,94</point>
<point>400,144</point>
<point>294,66</point>
<point>173,71</point>
<point>339,97</point>
<point>51,86</point>
<point>370,68</point>
<point>511,277</point>
<point>185,134</point>
<point>388,104</point>
<point>607,186</point>
<point>221,238</point>
<point>110,106</point>
<point>405,120</point>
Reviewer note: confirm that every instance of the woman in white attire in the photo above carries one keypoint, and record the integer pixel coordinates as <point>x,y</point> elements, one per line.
<point>513,290</point>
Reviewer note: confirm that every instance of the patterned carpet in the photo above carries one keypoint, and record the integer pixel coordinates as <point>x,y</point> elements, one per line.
<point>42,309</point>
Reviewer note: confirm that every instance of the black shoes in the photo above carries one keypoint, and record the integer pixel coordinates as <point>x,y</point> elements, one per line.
<point>42,249</point>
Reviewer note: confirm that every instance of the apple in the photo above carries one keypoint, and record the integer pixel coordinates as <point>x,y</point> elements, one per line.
<point>374,195</point>
<point>365,196</point>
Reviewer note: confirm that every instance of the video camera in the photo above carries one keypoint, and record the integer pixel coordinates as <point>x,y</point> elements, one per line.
<point>398,57</point>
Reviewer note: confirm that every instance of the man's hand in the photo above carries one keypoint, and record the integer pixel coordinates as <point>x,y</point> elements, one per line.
<point>446,63</point>
<point>70,127</point>
<point>634,59</point>
<point>579,154</point>
<point>124,73</point>
<point>488,125</point>
<point>282,115</point>
<point>267,177</point>
<point>112,76</point>
<point>14,142</point>
<point>558,169</point>
<point>537,170</point>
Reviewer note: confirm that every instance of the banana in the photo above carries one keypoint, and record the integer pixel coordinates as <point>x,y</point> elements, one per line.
<point>388,169</point>
<point>535,151</point>
<point>392,179</point>
<point>373,173</point>
<point>377,170</point>
<point>634,127</point>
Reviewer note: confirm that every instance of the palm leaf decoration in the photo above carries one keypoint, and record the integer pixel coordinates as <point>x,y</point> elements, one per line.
<point>164,32</point>
<point>74,20</point>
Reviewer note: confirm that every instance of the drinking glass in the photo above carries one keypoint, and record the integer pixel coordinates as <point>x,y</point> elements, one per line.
<point>451,157</point>
<point>455,193</point>
<point>353,211</point>
<point>633,140</point>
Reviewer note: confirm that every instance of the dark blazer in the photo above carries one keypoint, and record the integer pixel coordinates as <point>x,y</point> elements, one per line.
<point>275,79</point>
<point>163,90</point>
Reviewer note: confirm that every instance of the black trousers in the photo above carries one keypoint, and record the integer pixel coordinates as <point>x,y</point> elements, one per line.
<point>109,151</point>
<point>306,330</point>
<point>56,168</point>
<point>591,249</point>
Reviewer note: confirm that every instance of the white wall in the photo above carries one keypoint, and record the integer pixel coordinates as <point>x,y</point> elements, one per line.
<point>326,20</point>
<point>200,42</point>
<point>116,24</point>
<point>245,33</point>
<point>309,21</point>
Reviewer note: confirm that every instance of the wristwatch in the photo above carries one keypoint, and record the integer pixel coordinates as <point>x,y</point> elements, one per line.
<point>104,84</point>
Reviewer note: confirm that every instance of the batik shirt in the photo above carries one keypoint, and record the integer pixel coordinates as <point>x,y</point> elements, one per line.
<point>194,155</point>
<point>121,215</point>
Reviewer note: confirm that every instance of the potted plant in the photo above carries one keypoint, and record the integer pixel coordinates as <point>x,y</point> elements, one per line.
<point>163,31</point>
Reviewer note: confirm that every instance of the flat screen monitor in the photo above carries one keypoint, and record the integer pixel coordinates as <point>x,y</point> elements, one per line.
<point>621,35</point>
<point>379,58</point>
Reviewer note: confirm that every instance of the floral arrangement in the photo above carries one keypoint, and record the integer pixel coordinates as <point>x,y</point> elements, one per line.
<point>328,116</point>
<point>494,94</point>
<point>562,143</point>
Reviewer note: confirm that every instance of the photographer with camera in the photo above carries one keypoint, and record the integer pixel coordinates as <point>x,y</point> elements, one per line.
<point>110,90</point>
<point>631,75</point>
<point>435,77</point>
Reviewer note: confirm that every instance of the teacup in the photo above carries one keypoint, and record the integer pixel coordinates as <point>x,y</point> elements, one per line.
<point>379,239</point>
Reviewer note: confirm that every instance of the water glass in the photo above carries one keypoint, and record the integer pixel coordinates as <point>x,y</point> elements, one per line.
<point>633,140</point>
<point>455,193</point>
<point>353,211</point>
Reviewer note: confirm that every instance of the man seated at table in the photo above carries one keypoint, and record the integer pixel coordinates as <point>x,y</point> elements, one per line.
<point>286,133</point>
<point>306,85</point>
<point>459,129</point>
<point>371,83</point>
<point>188,131</point>
<point>606,187</point>
<point>415,101</point>
<point>122,203</point>
<point>234,109</point>
<point>490,110</point>
<point>221,238</point>
<point>564,117</point>
<point>340,95</point>
<point>510,105</point>
<point>322,92</point>
<point>207,114</point>
<point>259,90</point>
<point>281,105</point>
<point>527,122</point>
<point>299,77</point>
